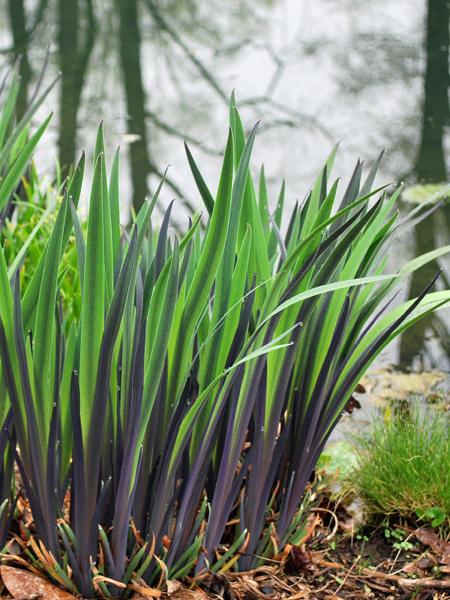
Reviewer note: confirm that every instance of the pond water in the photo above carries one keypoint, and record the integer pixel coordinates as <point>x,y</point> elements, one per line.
<point>370,75</point>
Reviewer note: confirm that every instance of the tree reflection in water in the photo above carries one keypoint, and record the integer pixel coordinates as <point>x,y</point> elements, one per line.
<point>160,72</point>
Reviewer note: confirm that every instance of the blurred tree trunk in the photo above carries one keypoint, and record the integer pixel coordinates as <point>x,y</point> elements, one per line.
<point>74,47</point>
<point>18,24</point>
<point>130,60</point>
<point>431,164</point>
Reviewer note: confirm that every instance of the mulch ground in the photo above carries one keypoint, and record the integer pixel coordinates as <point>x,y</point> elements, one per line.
<point>327,566</point>
<point>334,561</point>
<point>348,568</point>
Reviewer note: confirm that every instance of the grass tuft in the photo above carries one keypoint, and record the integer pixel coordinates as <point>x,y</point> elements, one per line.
<point>404,466</point>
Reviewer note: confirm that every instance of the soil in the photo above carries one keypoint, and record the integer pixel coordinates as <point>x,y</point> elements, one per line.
<point>346,567</point>
<point>330,564</point>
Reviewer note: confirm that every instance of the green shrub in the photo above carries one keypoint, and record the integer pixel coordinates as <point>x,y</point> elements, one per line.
<point>404,466</point>
<point>197,387</point>
<point>17,144</point>
<point>25,233</point>
<point>29,204</point>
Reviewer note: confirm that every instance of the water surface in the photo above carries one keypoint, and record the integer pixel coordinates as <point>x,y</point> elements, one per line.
<point>367,74</point>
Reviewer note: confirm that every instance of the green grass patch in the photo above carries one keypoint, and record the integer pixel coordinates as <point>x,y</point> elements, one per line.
<point>404,466</point>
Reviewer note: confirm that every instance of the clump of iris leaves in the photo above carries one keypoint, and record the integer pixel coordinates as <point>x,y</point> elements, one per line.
<point>173,426</point>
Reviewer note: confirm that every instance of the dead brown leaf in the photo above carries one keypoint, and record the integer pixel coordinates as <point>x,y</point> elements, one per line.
<point>352,404</point>
<point>440,547</point>
<point>173,586</point>
<point>218,585</point>
<point>297,560</point>
<point>138,596</point>
<point>185,594</point>
<point>422,563</point>
<point>142,590</point>
<point>312,523</point>
<point>23,584</point>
